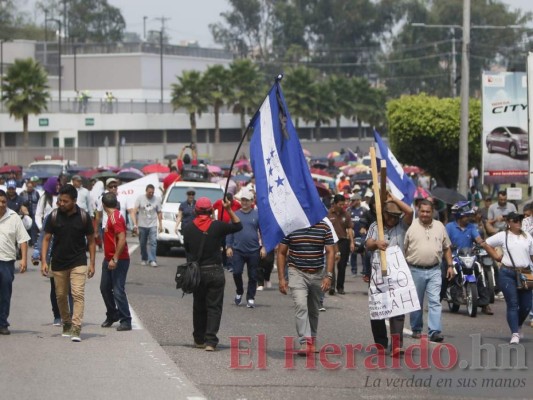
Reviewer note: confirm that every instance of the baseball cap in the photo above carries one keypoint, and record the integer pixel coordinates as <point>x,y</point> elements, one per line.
<point>35,179</point>
<point>191,190</point>
<point>203,204</point>
<point>247,194</point>
<point>78,178</point>
<point>110,181</point>
<point>355,196</point>
<point>515,216</point>
<point>392,208</point>
<point>11,184</point>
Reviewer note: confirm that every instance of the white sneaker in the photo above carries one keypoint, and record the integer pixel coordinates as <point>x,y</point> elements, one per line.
<point>499,296</point>
<point>515,339</point>
<point>322,308</point>
<point>268,284</point>
<point>153,264</point>
<point>144,262</point>
<point>260,288</point>
<point>250,303</point>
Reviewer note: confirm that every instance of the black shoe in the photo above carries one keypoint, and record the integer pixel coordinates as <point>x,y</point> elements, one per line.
<point>331,292</point>
<point>341,291</point>
<point>4,331</point>
<point>108,322</point>
<point>124,327</point>
<point>436,337</point>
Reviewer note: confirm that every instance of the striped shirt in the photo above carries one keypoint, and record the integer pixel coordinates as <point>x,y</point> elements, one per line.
<point>306,246</point>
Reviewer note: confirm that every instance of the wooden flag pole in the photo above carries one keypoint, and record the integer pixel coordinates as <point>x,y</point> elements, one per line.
<point>377,197</point>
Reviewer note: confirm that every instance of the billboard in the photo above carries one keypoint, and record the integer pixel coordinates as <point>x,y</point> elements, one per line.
<point>530,109</point>
<point>505,139</point>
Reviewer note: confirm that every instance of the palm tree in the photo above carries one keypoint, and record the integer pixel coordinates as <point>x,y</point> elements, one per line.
<point>299,93</point>
<point>189,93</point>
<point>218,91</point>
<point>370,104</point>
<point>247,88</point>
<point>324,108</point>
<point>25,92</point>
<point>342,99</point>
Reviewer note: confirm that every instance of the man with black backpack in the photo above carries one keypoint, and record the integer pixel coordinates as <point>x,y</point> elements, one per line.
<point>72,230</point>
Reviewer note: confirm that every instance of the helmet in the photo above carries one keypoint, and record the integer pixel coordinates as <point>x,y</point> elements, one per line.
<point>461,209</point>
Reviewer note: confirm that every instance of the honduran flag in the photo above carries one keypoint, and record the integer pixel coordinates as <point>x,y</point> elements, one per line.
<point>286,196</point>
<point>399,182</point>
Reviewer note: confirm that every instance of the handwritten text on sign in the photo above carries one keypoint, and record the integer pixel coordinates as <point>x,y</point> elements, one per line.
<point>394,294</point>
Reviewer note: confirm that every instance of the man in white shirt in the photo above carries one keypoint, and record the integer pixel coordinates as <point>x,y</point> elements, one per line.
<point>84,196</point>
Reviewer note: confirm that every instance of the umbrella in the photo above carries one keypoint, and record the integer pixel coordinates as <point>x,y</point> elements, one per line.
<point>448,196</point>
<point>128,176</point>
<point>88,173</point>
<point>333,154</point>
<point>155,168</point>
<point>242,163</point>
<point>421,193</point>
<point>105,175</point>
<point>133,171</point>
<point>214,169</point>
<point>170,157</point>
<point>355,169</point>
<point>322,189</point>
<point>307,153</point>
<point>411,169</point>
<point>241,178</point>
<point>319,171</point>
<point>8,168</point>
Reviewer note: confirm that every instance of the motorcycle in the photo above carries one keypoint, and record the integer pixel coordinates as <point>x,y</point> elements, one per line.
<point>463,289</point>
<point>487,263</point>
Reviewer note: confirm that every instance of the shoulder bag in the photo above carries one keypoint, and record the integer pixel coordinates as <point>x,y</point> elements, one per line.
<point>188,274</point>
<point>524,277</point>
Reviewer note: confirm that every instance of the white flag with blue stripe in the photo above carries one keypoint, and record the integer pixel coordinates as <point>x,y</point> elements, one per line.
<point>286,196</point>
<point>399,182</point>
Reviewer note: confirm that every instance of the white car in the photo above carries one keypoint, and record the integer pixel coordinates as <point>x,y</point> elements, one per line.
<point>176,194</point>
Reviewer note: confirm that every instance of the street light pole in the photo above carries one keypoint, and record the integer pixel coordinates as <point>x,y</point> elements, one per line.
<point>465,96</point>
<point>74,49</point>
<point>58,57</point>
<point>161,64</point>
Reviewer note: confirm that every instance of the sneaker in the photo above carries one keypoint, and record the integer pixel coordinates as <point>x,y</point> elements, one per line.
<point>75,334</point>
<point>108,322</point>
<point>210,348</point>
<point>322,308</point>
<point>67,330</point>
<point>515,339</point>
<point>237,299</point>
<point>199,345</point>
<point>57,322</point>
<point>416,335</point>
<point>436,337</point>
<point>4,331</point>
<point>499,296</point>
<point>268,284</point>
<point>260,288</point>
<point>124,327</point>
<point>250,303</point>
<point>153,264</point>
<point>144,262</point>
<point>331,292</point>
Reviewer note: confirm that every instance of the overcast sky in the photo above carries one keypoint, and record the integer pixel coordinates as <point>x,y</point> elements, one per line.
<point>189,19</point>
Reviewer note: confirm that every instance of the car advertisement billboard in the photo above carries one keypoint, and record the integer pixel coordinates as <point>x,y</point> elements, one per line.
<point>530,109</point>
<point>505,139</point>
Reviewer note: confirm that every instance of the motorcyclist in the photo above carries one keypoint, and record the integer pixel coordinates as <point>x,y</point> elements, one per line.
<point>463,233</point>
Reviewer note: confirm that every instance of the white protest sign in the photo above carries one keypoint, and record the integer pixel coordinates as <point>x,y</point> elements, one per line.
<point>394,294</point>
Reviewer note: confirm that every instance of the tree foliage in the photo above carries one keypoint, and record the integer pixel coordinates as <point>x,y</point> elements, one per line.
<point>218,91</point>
<point>424,131</point>
<point>25,91</point>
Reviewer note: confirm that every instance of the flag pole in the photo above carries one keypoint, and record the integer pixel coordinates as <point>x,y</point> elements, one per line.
<point>379,216</point>
<point>278,79</point>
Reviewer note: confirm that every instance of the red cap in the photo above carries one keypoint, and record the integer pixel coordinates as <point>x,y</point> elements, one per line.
<point>203,204</point>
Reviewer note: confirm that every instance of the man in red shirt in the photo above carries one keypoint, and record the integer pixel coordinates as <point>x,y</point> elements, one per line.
<point>115,266</point>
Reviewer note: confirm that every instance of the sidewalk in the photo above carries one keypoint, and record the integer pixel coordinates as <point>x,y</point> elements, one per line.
<point>36,362</point>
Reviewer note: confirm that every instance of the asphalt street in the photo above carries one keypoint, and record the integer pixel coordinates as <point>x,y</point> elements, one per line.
<point>254,359</point>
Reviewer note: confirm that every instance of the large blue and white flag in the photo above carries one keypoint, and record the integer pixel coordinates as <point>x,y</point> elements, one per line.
<point>287,198</point>
<point>399,182</point>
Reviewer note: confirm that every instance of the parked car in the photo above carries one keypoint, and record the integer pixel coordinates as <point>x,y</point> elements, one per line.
<point>508,139</point>
<point>176,194</point>
<point>49,166</point>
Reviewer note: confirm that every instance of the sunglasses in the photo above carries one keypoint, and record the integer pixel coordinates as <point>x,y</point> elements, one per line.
<point>113,186</point>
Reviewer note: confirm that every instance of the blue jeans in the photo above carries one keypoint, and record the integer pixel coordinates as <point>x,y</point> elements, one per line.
<point>518,301</point>
<point>7,276</point>
<point>113,289</point>
<point>252,263</point>
<point>427,281</point>
<point>148,238</point>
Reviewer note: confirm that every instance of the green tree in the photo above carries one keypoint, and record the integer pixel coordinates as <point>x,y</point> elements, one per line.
<point>189,93</point>
<point>248,89</point>
<point>323,106</point>
<point>343,100</point>
<point>424,131</point>
<point>218,91</point>
<point>299,93</point>
<point>25,91</point>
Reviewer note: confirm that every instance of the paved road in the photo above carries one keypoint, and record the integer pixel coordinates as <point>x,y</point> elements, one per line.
<point>156,359</point>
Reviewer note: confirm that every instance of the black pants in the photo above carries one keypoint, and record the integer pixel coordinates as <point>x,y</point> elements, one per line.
<point>265,268</point>
<point>207,305</point>
<point>379,330</point>
<point>344,249</point>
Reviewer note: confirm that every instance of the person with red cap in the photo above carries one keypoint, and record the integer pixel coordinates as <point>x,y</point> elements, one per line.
<point>205,234</point>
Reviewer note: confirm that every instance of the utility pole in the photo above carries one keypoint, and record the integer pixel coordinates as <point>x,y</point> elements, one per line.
<point>161,35</point>
<point>465,95</point>
<point>454,66</point>
<point>144,27</point>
